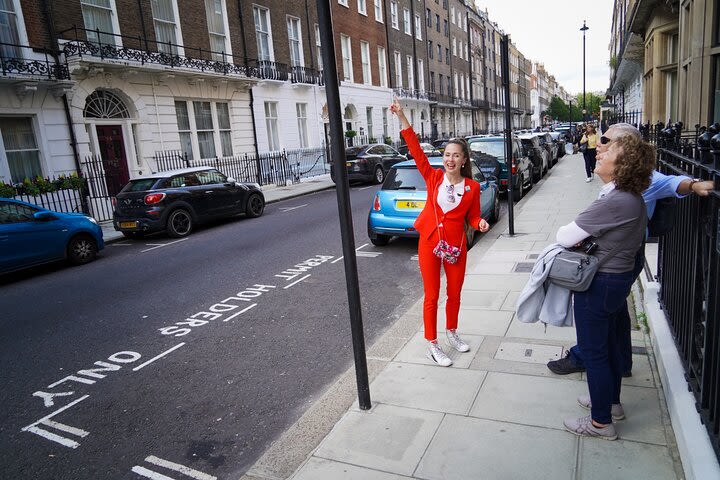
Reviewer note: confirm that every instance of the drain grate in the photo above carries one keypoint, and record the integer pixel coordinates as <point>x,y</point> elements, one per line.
<point>523,267</point>
<point>639,350</point>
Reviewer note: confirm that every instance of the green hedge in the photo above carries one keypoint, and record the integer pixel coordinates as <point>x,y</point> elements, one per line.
<point>41,185</point>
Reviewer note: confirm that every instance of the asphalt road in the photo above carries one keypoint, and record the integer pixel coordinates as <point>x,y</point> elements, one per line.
<point>197,352</point>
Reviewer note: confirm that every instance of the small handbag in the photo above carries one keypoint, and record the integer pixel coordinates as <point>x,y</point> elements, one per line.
<point>443,250</point>
<point>575,270</point>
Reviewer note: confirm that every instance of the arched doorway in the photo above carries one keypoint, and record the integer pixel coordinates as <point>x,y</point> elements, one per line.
<point>105,106</point>
<point>349,118</point>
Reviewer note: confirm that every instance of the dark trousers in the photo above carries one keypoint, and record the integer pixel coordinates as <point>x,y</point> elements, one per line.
<point>589,156</point>
<point>623,318</point>
<point>598,333</point>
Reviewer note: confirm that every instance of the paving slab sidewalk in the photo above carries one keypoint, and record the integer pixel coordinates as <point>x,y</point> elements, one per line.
<point>497,412</point>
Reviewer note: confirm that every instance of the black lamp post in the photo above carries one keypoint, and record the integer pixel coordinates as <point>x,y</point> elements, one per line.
<point>584,29</point>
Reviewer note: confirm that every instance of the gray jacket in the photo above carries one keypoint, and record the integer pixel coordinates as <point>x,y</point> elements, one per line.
<point>542,300</point>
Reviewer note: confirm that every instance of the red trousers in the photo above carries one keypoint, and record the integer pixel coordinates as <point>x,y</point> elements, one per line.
<point>454,273</point>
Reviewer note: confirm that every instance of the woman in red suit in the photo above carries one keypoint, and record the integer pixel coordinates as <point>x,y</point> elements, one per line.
<point>453,199</point>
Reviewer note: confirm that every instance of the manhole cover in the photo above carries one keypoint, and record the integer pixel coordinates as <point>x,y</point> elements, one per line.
<point>528,352</point>
<point>523,267</point>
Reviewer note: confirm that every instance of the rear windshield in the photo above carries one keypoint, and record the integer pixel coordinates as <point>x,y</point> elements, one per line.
<point>494,148</point>
<point>404,178</point>
<point>139,185</point>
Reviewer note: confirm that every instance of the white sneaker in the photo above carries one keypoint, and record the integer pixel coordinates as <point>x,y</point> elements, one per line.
<point>436,354</point>
<point>455,342</point>
<point>588,180</point>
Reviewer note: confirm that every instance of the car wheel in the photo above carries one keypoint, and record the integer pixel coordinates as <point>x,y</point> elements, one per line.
<point>179,223</point>
<point>536,178</point>
<point>495,216</point>
<point>255,206</point>
<point>380,240</point>
<point>518,192</point>
<point>134,235</point>
<point>81,249</point>
<point>379,176</point>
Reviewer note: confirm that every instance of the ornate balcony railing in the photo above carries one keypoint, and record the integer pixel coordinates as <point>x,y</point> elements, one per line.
<point>477,103</point>
<point>305,75</point>
<point>412,93</point>
<point>268,70</point>
<point>26,62</point>
<point>463,102</point>
<point>443,98</point>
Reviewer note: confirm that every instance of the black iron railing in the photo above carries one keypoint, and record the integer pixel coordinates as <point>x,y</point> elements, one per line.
<point>477,103</point>
<point>633,117</point>
<point>278,167</point>
<point>305,75</point>
<point>689,264</point>
<point>32,63</point>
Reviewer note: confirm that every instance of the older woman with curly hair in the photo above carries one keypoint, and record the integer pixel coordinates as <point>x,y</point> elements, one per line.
<point>615,221</point>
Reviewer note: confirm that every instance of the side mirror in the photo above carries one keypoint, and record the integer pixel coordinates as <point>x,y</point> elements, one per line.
<point>44,216</point>
<point>230,180</point>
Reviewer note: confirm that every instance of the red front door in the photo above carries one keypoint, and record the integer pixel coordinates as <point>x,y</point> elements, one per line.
<point>112,151</point>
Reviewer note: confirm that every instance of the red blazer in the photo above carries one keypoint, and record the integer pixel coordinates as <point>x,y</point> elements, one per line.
<point>453,221</point>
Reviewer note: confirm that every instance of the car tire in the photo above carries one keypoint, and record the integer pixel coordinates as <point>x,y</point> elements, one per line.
<point>536,178</point>
<point>133,235</point>
<point>379,175</point>
<point>179,223</point>
<point>380,240</point>
<point>255,206</point>
<point>518,193</point>
<point>495,215</point>
<point>81,249</point>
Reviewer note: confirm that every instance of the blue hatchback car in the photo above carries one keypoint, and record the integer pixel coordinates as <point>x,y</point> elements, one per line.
<point>403,195</point>
<point>31,235</point>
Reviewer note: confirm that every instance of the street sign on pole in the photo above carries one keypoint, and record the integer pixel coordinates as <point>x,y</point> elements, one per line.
<point>337,152</point>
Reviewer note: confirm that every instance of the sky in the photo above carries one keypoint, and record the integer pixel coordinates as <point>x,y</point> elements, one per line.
<point>549,32</point>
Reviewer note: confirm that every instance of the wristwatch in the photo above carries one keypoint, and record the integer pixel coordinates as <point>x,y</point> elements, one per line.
<point>693,182</point>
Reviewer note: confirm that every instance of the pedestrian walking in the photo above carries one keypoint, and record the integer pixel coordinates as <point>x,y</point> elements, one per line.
<point>588,145</point>
<point>616,221</point>
<point>453,198</point>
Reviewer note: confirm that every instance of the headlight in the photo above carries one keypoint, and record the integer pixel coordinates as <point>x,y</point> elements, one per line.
<point>92,220</point>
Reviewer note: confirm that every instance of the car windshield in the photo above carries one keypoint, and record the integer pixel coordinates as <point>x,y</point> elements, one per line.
<point>404,179</point>
<point>139,185</point>
<point>496,148</point>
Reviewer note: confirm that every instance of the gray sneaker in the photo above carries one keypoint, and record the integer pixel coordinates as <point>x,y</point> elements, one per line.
<point>617,411</point>
<point>584,427</point>
<point>455,342</point>
<point>436,354</point>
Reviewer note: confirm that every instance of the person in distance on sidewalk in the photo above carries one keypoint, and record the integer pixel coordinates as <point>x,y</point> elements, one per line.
<point>590,141</point>
<point>453,198</point>
<point>617,222</point>
<point>661,186</point>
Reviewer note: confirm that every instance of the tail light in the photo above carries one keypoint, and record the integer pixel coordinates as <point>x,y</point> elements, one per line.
<point>154,198</point>
<point>114,201</point>
<point>513,167</point>
<point>376,203</point>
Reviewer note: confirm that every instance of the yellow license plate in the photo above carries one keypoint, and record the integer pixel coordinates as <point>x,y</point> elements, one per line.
<point>348,164</point>
<point>128,224</point>
<point>402,204</point>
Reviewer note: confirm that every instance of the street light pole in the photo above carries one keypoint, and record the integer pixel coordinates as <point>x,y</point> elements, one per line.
<point>584,29</point>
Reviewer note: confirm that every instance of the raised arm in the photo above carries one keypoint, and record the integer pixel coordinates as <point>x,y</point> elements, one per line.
<point>411,140</point>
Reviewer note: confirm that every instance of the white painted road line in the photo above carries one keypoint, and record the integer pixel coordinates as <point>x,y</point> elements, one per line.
<point>53,437</point>
<point>287,209</point>
<point>240,312</point>
<point>365,188</point>
<point>296,281</point>
<point>361,246</point>
<point>337,260</point>
<point>150,474</point>
<point>157,357</point>
<point>160,245</point>
<point>368,254</point>
<point>179,468</point>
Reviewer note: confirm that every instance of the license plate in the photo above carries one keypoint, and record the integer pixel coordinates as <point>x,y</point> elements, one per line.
<point>410,204</point>
<point>128,224</point>
<point>348,164</point>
